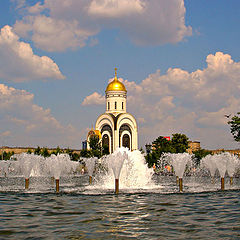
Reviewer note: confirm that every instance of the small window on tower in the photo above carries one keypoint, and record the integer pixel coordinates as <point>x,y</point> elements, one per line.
<point>122,105</point>
<point>108,105</point>
<point>115,105</point>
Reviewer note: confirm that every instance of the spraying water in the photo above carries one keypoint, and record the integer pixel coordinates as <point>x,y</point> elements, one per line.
<point>178,161</point>
<point>90,164</point>
<point>232,163</point>
<point>209,162</point>
<point>129,167</point>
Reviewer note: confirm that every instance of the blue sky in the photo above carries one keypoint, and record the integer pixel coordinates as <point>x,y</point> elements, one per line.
<point>178,59</point>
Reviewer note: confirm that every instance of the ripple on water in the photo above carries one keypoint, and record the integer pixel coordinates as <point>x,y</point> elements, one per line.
<point>212,215</point>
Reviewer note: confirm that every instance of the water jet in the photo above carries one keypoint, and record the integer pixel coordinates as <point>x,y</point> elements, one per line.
<point>179,162</point>
<point>90,164</point>
<point>52,180</point>
<point>115,162</point>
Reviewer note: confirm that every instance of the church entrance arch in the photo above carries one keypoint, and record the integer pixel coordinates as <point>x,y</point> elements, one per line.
<point>106,144</point>
<point>126,141</point>
<point>108,139</point>
<point>125,135</point>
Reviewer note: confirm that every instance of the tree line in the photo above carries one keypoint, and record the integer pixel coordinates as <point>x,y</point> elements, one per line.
<point>178,144</point>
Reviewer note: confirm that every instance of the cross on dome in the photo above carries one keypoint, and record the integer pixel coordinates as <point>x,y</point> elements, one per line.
<point>116,85</point>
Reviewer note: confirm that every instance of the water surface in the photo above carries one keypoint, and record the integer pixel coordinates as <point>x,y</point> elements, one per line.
<point>82,212</point>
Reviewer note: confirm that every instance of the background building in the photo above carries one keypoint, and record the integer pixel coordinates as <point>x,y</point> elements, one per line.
<point>193,146</point>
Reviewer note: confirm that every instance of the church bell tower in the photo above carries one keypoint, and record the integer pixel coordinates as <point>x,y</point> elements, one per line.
<point>116,127</point>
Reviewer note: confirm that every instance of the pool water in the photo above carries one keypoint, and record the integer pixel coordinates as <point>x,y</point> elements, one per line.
<point>80,211</point>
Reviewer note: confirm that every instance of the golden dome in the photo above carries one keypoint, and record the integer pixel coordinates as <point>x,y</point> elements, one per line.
<point>98,133</point>
<point>116,85</point>
<point>95,132</point>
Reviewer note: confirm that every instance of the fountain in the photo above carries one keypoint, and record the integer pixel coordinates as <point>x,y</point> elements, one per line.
<point>123,170</point>
<point>115,162</point>
<point>31,165</point>
<point>4,165</point>
<point>90,164</point>
<point>224,162</point>
<point>25,162</point>
<point>126,168</point>
<point>178,162</point>
<point>232,163</point>
<point>210,163</point>
<point>58,165</point>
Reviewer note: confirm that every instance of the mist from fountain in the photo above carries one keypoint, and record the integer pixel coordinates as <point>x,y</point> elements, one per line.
<point>232,164</point>
<point>178,161</point>
<point>224,162</point>
<point>115,161</point>
<point>209,162</point>
<point>31,165</point>
<point>90,164</point>
<point>25,163</point>
<point>4,165</point>
<point>129,167</point>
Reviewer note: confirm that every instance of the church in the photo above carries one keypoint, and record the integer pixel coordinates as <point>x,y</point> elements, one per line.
<point>116,128</point>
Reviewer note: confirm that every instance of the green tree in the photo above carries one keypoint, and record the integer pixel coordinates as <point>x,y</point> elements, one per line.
<point>57,151</point>
<point>6,155</point>
<point>69,151</point>
<point>235,127</point>
<point>95,146</point>
<point>75,156</point>
<point>162,145</point>
<point>159,146</point>
<point>94,142</point>
<point>45,153</point>
<point>37,151</point>
<point>85,153</point>
<point>152,158</point>
<point>199,154</point>
<point>105,149</point>
<point>29,151</point>
<point>179,142</point>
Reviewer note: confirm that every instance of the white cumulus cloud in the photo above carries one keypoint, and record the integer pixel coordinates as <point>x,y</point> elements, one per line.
<point>115,8</point>
<point>70,24</point>
<point>52,34</point>
<point>19,63</point>
<point>94,98</point>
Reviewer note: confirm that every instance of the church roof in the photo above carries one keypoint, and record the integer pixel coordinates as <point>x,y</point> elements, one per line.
<point>116,85</point>
<point>95,132</point>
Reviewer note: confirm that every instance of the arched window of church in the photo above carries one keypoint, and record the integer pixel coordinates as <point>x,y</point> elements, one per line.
<point>108,105</point>
<point>122,105</point>
<point>115,105</point>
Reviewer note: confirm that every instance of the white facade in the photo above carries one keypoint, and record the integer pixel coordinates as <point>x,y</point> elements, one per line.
<point>116,102</point>
<point>117,127</point>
